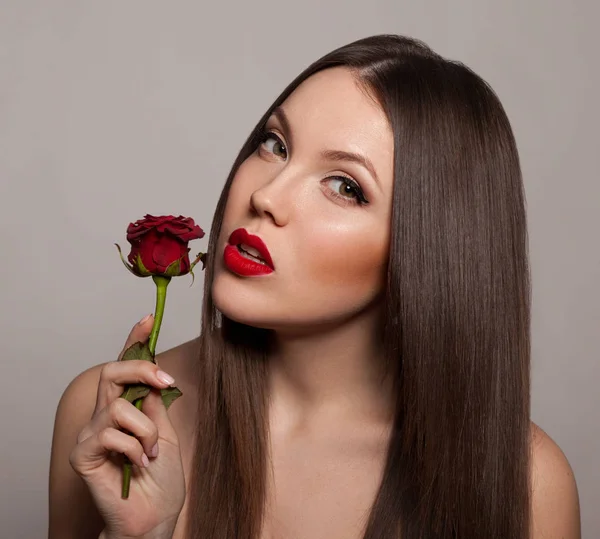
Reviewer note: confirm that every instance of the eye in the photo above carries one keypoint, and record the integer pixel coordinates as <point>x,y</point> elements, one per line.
<point>350,192</point>
<point>272,143</point>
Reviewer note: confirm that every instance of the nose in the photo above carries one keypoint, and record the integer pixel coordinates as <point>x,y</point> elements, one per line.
<point>272,200</point>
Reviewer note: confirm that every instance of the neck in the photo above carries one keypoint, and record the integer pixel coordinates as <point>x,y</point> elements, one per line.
<point>336,371</point>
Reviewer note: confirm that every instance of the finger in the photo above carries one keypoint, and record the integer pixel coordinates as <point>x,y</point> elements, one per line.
<point>139,333</point>
<point>115,375</point>
<point>95,450</point>
<point>154,408</point>
<point>123,415</point>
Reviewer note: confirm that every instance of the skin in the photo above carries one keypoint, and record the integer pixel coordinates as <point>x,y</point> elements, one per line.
<point>322,247</point>
<point>330,413</point>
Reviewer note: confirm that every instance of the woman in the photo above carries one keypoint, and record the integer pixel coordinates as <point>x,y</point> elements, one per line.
<point>364,371</point>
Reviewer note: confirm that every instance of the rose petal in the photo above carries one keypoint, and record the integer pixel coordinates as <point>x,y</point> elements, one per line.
<point>132,256</point>
<point>194,234</point>
<point>134,234</point>
<point>166,251</point>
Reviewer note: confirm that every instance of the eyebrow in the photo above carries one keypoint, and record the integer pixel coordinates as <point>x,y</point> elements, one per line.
<point>331,155</point>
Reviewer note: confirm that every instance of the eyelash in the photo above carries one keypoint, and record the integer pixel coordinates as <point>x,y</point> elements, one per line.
<point>263,135</point>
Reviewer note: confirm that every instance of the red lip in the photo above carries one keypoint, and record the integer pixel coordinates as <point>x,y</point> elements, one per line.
<point>244,266</point>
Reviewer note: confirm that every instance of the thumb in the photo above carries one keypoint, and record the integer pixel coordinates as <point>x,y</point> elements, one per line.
<point>154,408</point>
<point>139,333</point>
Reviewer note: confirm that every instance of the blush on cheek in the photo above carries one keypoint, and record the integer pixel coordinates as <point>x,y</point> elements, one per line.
<point>360,267</point>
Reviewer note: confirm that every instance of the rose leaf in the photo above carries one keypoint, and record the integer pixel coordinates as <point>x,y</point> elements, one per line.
<point>138,350</point>
<point>169,395</point>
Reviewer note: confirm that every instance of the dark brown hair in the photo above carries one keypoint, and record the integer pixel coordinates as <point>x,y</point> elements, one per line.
<point>457,321</point>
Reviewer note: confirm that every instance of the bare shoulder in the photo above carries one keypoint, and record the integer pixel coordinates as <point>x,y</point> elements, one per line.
<point>72,512</point>
<point>180,363</point>
<point>555,500</point>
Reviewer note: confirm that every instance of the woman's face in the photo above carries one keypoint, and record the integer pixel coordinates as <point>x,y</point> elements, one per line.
<point>324,218</point>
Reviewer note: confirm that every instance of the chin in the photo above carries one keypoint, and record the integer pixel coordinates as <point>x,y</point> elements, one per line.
<point>237,304</point>
<point>252,304</point>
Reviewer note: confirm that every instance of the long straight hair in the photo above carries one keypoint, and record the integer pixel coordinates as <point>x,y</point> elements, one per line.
<point>456,327</point>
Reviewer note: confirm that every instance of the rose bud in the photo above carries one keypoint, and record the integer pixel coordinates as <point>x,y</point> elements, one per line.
<point>159,246</point>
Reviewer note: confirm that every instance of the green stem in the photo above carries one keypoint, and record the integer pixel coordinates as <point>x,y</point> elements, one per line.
<point>127,464</point>
<point>161,296</point>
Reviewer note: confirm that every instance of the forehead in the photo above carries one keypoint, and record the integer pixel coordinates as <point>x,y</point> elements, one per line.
<point>331,110</point>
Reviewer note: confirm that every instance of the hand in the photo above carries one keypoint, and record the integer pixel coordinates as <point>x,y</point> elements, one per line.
<point>157,489</point>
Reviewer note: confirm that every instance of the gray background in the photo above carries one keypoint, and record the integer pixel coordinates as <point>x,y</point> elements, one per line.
<point>112,109</point>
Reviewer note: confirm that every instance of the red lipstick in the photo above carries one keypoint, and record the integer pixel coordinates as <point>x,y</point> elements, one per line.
<point>247,255</point>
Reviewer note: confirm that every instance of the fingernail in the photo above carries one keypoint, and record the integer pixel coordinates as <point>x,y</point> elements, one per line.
<point>145,319</point>
<point>154,450</point>
<point>145,460</point>
<point>164,377</point>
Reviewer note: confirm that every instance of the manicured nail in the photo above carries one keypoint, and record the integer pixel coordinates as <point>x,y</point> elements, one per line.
<point>145,460</point>
<point>164,377</point>
<point>145,319</point>
<point>154,450</point>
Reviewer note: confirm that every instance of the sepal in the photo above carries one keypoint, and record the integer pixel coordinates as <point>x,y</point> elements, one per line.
<point>200,258</point>
<point>141,269</point>
<point>174,269</point>
<point>130,268</point>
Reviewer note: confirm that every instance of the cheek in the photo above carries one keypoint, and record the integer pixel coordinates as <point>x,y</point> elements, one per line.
<point>349,259</point>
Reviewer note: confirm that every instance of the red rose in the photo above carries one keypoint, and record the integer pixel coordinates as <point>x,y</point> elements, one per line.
<point>159,248</point>
<point>159,245</point>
